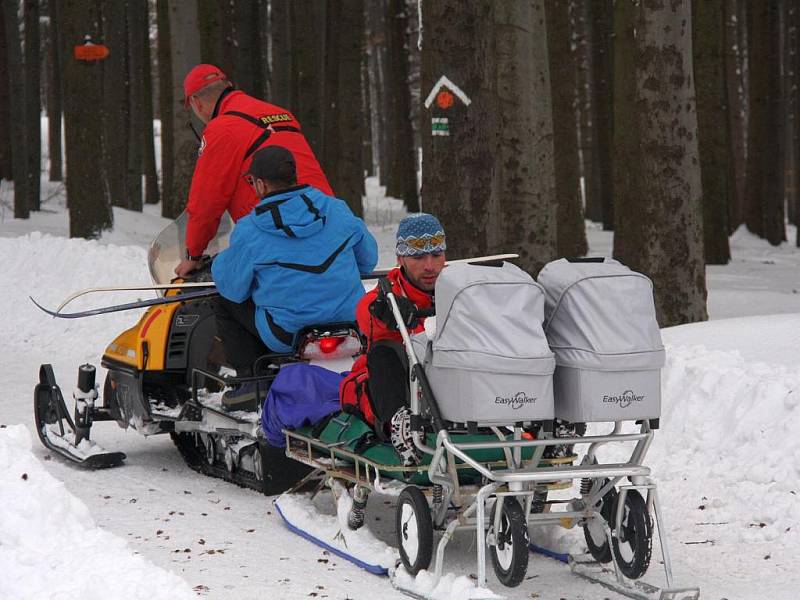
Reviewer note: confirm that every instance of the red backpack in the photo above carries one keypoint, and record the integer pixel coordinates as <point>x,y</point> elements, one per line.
<point>354,392</point>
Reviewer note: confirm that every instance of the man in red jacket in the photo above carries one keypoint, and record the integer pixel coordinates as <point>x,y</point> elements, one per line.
<point>236,126</point>
<point>420,258</point>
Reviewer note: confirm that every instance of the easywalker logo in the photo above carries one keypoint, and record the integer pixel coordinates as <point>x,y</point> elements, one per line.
<point>624,400</point>
<point>516,401</point>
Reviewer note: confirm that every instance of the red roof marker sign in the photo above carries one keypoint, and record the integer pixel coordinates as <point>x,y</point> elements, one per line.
<point>444,93</point>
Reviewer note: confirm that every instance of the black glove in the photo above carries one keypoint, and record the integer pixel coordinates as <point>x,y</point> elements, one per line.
<point>382,310</point>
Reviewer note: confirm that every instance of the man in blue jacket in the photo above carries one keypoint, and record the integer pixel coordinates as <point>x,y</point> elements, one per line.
<point>295,260</point>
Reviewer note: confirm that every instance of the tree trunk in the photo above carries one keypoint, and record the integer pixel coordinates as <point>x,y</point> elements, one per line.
<point>212,33</point>
<point>245,72</point>
<point>54,92</point>
<point>89,210</point>
<point>736,108</point>
<point>260,49</point>
<point>33,105</point>
<point>376,44</point>
<point>6,168</point>
<point>342,119</point>
<point>185,54</point>
<point>488,171</point>
<point>115,105</point>
<point>796,140</point>
<point>571,232</point>
<point>712,120</point>
<point>166,110</point>
<point>281,53</point>
<point>587,117</point>
<point>308,64</point>
<point>764,213</point>
<point>136,117</point>
<point>16,89</point>
<point>603,87</point>
<point>632,214</point>
<point>789,83</point>
<point>665,204</point>
<point>403,167</point>
<point>151,193</point>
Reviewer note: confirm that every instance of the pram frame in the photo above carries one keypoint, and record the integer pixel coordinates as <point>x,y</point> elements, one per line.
<point>512,477</point>
<point>517,478</point>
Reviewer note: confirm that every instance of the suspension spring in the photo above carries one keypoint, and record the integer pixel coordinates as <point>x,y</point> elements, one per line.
<point>586,486</point>
<point>438,494</point>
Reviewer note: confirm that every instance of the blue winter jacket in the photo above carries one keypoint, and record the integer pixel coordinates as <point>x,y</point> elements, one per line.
<point>299,254</point>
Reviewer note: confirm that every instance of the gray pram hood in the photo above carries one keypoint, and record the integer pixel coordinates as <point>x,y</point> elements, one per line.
<point>601,316</point>
<point>490,319</point>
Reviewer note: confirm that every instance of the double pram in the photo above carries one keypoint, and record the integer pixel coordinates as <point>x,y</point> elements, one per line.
<point>508,358</point>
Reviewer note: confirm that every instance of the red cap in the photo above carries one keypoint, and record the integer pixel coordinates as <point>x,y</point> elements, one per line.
<point>198,78</point>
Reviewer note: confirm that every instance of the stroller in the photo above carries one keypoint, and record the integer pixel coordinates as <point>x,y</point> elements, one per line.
<point>483,403</point>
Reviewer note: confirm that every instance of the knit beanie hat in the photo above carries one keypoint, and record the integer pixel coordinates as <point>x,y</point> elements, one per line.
<point>418,234</point>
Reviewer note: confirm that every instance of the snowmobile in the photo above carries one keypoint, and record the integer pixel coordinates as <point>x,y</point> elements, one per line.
<point>165,375</point>
<point>486,387</point>
<point>161,380</point>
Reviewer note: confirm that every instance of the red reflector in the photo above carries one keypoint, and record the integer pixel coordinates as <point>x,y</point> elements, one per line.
<point>329,344</point>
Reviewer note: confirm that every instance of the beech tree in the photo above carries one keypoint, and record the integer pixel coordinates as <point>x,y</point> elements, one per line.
<point>342,119</point>
<point>114,105</point>
<point>604,73</point>
<point>6,169</point>
<point>89,210</point>
<point>33,104</point>
<point>764,212</point>
<point>712,116</point>
<point>571,233</point>
<point>401,179</point>
<point>54,92</point>
<point>16,96</point>
<point>487,133</point>
<point>657,177</point>
<point>185,54</point>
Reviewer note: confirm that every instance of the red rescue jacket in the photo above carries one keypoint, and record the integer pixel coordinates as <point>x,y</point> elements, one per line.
<point>226,150</point>
<point>354,391</point>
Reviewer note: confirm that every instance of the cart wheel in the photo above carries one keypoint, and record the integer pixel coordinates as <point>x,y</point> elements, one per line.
<point>414,527</point>
<point>510,552</point>
<point>633,544</point>
<point>595,533</point>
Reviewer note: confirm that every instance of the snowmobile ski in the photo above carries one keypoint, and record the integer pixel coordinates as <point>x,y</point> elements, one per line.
<point>57,430</point>
<point>129,305</point>
<point>132,288</point>
<point>585,566</point>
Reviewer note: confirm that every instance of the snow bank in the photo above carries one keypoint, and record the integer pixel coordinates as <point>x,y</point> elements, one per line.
<point>50,546</point>
<point>727,451</point>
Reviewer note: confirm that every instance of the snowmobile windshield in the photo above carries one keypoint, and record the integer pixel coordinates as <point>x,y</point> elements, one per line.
<point>169,247</point>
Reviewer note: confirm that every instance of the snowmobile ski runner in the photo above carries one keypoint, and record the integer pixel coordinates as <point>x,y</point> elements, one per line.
<point>58,431</point>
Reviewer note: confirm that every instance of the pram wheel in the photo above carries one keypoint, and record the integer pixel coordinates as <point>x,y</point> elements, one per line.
<point>510,551</point>
<point>633,543</point>
<point>595,533</point>
<point>414,527</point>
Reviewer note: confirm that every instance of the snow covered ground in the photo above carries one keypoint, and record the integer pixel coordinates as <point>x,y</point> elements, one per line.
<point>726,456</point>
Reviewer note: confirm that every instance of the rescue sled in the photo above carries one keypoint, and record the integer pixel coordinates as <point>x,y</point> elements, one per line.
<point>484,401</point>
